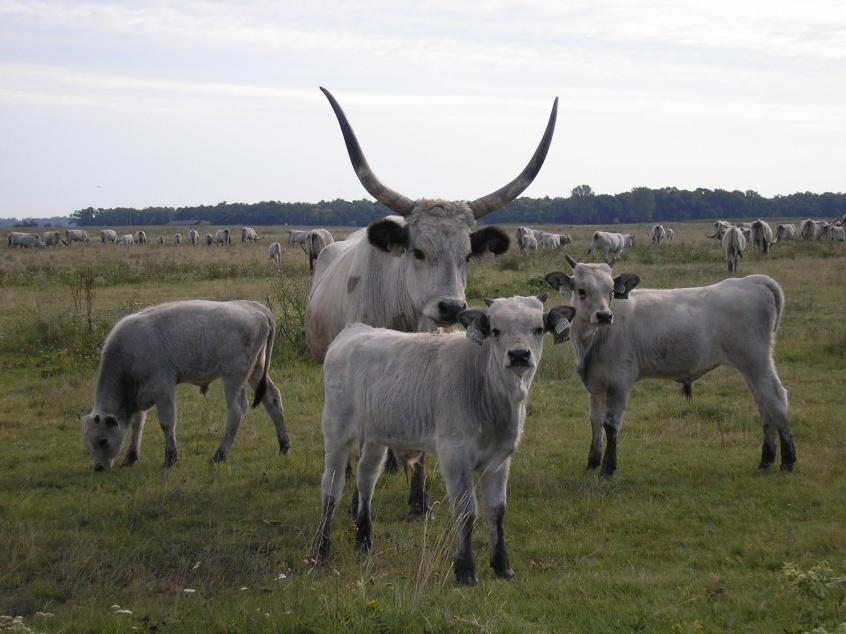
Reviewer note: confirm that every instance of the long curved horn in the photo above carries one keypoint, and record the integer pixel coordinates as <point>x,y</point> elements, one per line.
<point>501,197</point>
<point>570,261</point>
<point>385,195</point>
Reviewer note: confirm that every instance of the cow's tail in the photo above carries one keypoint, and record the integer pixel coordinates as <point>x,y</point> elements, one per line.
<point>261,388</point>
<point>778,298</point>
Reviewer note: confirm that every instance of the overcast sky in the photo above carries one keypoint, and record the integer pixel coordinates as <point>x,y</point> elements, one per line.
<point>159,103</point>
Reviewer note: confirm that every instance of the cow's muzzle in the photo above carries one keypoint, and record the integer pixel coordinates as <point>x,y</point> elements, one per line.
<point>604,316</point>
<point>448,310</point>
<point>520,359</point>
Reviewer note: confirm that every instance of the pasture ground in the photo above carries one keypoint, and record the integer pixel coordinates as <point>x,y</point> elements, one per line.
<point>688,536</point>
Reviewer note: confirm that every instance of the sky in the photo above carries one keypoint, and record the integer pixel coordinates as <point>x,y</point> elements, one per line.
<point>196,102</point>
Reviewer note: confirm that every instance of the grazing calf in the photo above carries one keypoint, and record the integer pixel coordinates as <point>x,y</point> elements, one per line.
<point>658,234</point>
<point>108,235</point>
<point>127,240</point>
<point>297,237</point>
<point>761,236</point>
<point>248,234</point>
<point>785,232</point>
<point>274,251</point>
<point>733,245</point>
<point>610,245</point>
<point>528,244</point>
<point>194,236</point>
<point>25,240</point>
<point>838,234</point>
<point>677,334</point>
<point>209,239</point>
<point>52,238</point>
<point>141,237</point>
<point>177,239</point>
<point>222,236</point>
<point>720,228</point>
<point>77,235</point>
<point>461,397</point>
<point>670,233</point>
<point>147,354</point>
<point>316,241</point>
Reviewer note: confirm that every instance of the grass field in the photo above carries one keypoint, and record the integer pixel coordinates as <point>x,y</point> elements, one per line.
<point>688,536</point>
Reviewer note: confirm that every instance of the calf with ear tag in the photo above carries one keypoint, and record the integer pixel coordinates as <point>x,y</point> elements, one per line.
<point>558,322</point>
<point>476,323</point>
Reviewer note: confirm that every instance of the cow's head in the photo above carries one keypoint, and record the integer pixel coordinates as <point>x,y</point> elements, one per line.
<point>435,238</point>
<point>102,436</point>
<point>514,328</point>
<point>593,288</point>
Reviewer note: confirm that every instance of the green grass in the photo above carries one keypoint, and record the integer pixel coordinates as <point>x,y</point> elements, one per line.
<point>688,536</point>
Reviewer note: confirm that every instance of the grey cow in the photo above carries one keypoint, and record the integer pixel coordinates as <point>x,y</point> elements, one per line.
<point>147,354</point>
<point>677,334</point>
<point>761,236</point>
<point>77,235</point>
<point>734,244</point>
<point>462,397</point>
<point>52,238</point>
<point>24,240</point>
<point>316,240</point>
<point>610,245</point>
<point>108,235</point>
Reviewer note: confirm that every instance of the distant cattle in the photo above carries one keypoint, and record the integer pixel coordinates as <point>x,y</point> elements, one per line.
<point>108,235</point>
<point>147,354</point>
<point>734,243</point>
<point>528,244</point>
<point>209,239</point>
<point>296,236</point>
<point>551,241</point>
<point>274,251</point>
<point>621,336</point>
<point>194,236</point>
<point>610,246</point>
<point>761,236</point>
<point>177,239</point>
<point>222,236</point>
<point>838,234</point>
<point>248,234</point>
<point>657,234</point>
<point>809,230</point>
<point>785,232</point>
<point>316,241</point>
<point>720,228</point>
<point>141,237</point>
<point>25,240</point>
<point>460,396</point>
<point>77,235</point>
<point>52,238</point>
<point>670,233</point>
<point>127,240</point>
<point>161,239</point>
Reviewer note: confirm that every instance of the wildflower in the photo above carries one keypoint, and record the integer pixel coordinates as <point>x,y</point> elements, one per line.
<point>189,590</point>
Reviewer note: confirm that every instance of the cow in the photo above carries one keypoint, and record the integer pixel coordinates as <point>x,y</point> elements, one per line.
<point>746,230</point>
<point>528,244</point>
<point>610,245</point>
<point>316,241</point>
<point>193,236</point>
<point>460,396</point>
<point>177,239</point>
<point>197,341</point>
<point>551,241</point>
<point>77,235</point>
<point>25,240</point>
<point>222,236</point>
<point>140,237</point>
<point>274,251</point>
<point>127,240</point>
<point>733,246</point>
<point>761,236</point>
<point>785,232</point>
<point>677,334</point>
<point>720,227</point>
<point>297,237</point>
<point>52,238</point>
<point>108,235</point>
<point>670,233</point>
<point>838,234</point>
<point>209,239</point>
<point>248,234</point>
<point>657,234</point>
<point>407,271</point>
<point>809,230</point>
<point>824,232</point>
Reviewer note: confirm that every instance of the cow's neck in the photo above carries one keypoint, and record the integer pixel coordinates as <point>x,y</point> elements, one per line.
<point>505,391</point>
<point>115,396</point>
<point>587,342</point>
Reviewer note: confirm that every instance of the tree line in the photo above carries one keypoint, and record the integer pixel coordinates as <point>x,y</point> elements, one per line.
<point>583,206</point>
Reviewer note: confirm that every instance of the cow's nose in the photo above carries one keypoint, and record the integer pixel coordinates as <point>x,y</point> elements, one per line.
<point>99,467</point>
<point>604,316</point>
<point>448,309</point>
<point>520,356</point>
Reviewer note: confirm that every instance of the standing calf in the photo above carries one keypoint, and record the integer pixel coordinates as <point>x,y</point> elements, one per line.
<point>147,354</point>
<point>461,397</point>
<point>733,245</point>
<point>677,334</point>
<point>274,251</point>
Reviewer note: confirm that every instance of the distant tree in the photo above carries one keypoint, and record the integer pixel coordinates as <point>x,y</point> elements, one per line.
<point>580,191</point>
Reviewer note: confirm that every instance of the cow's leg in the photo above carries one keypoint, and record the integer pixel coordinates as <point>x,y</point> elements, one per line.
<point>236,407</point>
<point>455,468</point>
<point>615,407</point>
<point>166,410</point>
<point>771,398</point>
<point>494,484</point>
<point>418,501</point>
<point>369,466</point>
<point>136,421</point>
<point>336,457</point>
<point>272,402</point>
<point>597,418</point>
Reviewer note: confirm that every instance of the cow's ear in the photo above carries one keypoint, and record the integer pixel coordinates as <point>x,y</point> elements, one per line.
<point>557,322</point>
<point>111,421</point>
<point>477,325</point>
<point>389,236</point>
<point>542,298</point>
<point>491,239</point>
<point>96,418</point>
<point>560,281</point>
<point>623,283</point>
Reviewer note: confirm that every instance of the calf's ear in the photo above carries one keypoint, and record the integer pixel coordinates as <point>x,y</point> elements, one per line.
<point>557,321</point>
<point>623,283</point>
<point>477,325</point>
<point>560,281</point>
<point>491,239</point>
<point>389,236</point>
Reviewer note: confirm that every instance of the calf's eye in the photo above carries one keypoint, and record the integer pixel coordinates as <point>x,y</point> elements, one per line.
<point>538,331</point>
<point>582,293</point>
<point>496,333</point>
<point>418,254</point>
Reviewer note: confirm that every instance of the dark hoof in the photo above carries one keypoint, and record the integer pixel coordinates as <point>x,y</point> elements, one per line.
<point>592,464</point>
<point>284,446</point>
<point>787,467</point>
<point>130,460</point>
<point>98,468</point>
<point>765,465</point>
<point>364,543</point>
<point>466,578</point>
<point>170,460</point>
<point>607,471</point>
<point>218,457</point>
<point>421,513</point>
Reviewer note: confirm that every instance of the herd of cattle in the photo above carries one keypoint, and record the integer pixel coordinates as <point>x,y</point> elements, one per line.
<point>391,380</point>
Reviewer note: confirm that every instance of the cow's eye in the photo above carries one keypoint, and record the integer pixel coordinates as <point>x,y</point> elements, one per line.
<point>538,331</point>
<point>582,293</point>
<point>496,333</point>
<point>419,254</point>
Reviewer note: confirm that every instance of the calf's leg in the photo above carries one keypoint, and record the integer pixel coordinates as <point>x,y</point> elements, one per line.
<point>615,407</point>
<point>166,410</point>
<point>369,466</point>
<point>494,483</point>
<point>336,457</point>
<point>597,418</point>
<point>771,398</point>
<point>136,421</point>
<point>456,471</point>
<point>272,402</point>
<point>418,501</point>
<point>236,407</point>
